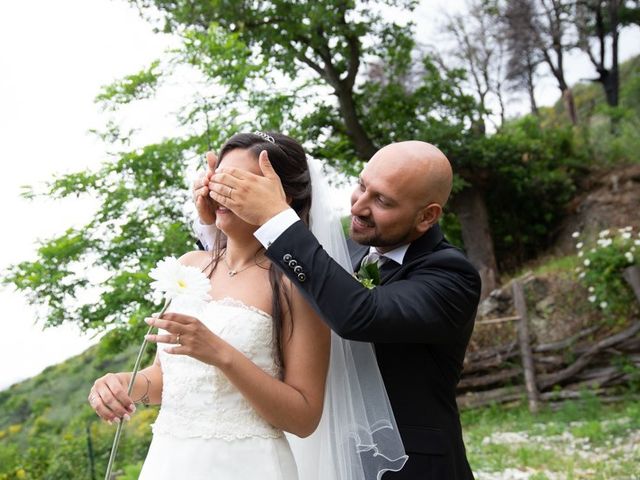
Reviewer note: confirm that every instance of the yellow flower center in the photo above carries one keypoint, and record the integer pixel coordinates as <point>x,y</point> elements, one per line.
<point>182,284</point>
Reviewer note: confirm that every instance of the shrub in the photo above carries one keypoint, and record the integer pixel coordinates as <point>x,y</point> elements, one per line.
<point>602,267</point>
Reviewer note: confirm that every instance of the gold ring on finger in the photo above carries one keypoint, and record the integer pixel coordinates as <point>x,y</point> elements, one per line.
<point>178,338</point>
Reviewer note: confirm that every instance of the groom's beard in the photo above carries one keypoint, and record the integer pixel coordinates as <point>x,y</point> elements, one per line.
<point>376,239</point>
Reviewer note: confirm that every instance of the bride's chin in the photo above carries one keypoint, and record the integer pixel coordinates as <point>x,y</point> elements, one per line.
<point>232,226</point>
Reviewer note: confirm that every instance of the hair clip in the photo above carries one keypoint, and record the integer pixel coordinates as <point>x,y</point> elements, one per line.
<point>268,138</point>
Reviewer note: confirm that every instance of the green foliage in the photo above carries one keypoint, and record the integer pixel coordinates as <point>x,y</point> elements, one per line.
<point>295,67</point>
<point>601,271</point>
<point>132,87</point>
<point>50,439</point>
<point>608,134</point>
<point>532,176</point>
<point>96,276</point>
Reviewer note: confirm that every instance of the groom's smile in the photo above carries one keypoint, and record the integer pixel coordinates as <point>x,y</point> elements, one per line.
<point>361,223</point>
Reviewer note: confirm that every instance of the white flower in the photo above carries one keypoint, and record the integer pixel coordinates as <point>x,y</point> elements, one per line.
<point>591,289</point>
<point>636,242</point>
<point>626,235</point>
<point>580,253</point>
<point>579,245</point>
<point>581,275</point>
<point>604,242</point>
<point>603,305</point>
<point>603,233</point>
<point>629,257</point>
<point>587,262</point>
<point>174,279</point>
<point>575,234</point>
<point>592,298</point>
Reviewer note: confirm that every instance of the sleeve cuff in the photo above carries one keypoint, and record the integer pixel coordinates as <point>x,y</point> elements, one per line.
<point>270,231</point>
<point>205,233</point>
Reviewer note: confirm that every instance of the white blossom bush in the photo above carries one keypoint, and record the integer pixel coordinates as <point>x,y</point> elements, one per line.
<point>601,267</point>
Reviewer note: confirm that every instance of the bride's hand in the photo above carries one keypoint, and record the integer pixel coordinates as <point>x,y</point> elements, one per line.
<point>191,337</point>
<point>205,205</point>
<point>108,397</point>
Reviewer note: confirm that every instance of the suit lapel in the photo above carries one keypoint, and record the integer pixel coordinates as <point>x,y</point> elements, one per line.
<point>357,253</point>
<point>419,247</point>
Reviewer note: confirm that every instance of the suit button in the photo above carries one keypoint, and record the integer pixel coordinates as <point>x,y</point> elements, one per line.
<point>287,257</point>
<point>297,269</point>
<point>302,277</point>
<point>292,263</point>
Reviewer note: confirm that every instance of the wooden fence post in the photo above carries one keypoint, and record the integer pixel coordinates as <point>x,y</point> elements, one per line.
<point>632,276</point>
<point>525,347</point>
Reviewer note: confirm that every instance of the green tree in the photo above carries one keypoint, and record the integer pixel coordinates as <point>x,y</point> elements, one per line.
<point>297,67</point>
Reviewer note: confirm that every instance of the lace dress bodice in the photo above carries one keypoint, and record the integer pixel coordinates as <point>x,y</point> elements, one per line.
<point>197,399</point>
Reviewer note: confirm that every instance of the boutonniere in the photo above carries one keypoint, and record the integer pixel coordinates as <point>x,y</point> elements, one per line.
<point>369,275</point>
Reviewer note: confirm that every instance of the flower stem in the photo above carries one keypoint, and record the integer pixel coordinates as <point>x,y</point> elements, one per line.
<point>136,367</point>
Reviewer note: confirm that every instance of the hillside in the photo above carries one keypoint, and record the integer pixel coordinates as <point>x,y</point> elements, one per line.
<point>46,425</point>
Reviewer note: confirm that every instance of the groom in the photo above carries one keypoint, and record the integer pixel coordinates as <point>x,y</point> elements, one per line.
<point>420,317</point>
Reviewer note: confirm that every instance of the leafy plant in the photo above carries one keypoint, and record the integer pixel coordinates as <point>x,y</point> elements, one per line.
<point>602,266</point>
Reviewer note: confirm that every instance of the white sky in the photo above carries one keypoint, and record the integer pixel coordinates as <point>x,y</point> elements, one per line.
<point>54,57</point>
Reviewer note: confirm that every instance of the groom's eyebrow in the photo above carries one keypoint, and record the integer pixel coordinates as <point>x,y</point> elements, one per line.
<point>386,198</point>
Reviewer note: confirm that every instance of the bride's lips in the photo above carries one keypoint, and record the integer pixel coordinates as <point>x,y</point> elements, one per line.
<point>222,210</point>
<point>358,225</point>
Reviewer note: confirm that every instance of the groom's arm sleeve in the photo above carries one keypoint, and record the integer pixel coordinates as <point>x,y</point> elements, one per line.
<point>206,234</point>
<point>431,305</point>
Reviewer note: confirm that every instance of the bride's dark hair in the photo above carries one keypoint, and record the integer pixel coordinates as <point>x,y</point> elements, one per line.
<point>290,163</point>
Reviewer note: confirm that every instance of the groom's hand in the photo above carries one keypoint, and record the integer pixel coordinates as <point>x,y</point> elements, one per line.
<point>254,198</point>
<point>205,205</point>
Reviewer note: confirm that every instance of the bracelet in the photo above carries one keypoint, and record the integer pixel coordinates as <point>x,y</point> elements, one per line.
<point>144,399</point>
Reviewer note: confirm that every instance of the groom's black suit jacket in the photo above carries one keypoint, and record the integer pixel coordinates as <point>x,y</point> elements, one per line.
<point>419,318</point>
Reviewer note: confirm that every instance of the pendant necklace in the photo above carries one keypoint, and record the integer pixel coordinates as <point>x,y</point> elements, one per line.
<point>232,272</point>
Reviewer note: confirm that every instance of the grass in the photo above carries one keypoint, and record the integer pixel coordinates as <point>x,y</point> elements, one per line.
<point>583,439</point>
<point>565,264</point>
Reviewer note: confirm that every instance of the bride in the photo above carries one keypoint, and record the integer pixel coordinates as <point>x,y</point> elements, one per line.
<point>257,361</point>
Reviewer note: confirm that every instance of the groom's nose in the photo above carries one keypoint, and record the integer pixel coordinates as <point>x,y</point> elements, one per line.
<point>359,204</point>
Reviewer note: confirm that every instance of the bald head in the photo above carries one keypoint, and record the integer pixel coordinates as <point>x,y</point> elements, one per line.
<point>400,195</point>
<point>423,171</point>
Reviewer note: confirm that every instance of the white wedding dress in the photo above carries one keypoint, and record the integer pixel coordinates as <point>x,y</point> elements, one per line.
<point>206,429</point>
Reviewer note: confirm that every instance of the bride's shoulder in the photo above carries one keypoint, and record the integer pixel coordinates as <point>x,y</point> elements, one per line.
<point>196,258</point>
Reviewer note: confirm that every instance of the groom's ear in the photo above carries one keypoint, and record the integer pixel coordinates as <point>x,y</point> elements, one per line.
<point>288,199</point>
<point>428,216</point>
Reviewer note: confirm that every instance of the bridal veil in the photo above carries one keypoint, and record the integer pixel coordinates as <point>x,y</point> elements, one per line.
<point>357,438</point>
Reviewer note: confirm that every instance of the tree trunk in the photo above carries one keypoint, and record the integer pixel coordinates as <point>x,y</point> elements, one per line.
<point>363,144</point>
<point>470,207</point>
<point>531,89</point>
<point>610,83</point>
<point>570,105</point>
